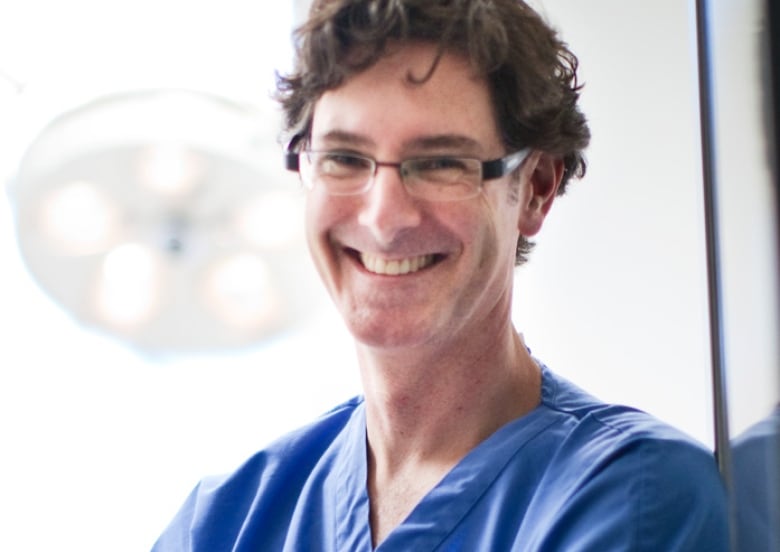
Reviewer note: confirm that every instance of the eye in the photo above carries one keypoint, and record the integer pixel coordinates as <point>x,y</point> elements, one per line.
<point>340,163</point>
<point>444,170</point>
<point>440,164</point>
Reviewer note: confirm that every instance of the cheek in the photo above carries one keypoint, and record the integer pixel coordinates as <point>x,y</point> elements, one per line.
<point>324,216</point>
<point>321,213</point>
<point>317,223</point>
<point>501,212</point>
<point>476,228</point>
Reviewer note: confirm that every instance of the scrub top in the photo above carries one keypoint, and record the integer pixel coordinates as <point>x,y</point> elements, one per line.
<point>575,474</point>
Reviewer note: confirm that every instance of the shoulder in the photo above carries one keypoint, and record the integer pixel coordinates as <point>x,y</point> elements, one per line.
<point>613,462</point>
<point>600,434</point>
<point>296,451</point>
<point>313,437</point>
<point>263,488</point>
<point>619,425</point>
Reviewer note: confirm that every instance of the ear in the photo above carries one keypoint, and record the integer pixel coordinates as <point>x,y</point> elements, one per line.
<point>542,175</point>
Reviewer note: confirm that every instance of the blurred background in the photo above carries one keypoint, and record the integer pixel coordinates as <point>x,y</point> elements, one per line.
<point>161,320</point>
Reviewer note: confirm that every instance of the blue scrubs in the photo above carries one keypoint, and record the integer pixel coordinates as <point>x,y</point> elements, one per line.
<point>573,475</point>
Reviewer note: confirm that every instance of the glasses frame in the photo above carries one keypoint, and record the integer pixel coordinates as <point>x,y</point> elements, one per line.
<point>491,169</point>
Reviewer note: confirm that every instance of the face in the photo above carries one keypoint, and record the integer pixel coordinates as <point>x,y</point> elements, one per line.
<point>403,271</point>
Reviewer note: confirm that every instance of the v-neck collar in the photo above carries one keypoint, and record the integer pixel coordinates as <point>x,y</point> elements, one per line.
<point>441,510</point>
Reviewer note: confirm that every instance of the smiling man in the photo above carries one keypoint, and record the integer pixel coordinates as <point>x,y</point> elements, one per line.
<point>433,138</point>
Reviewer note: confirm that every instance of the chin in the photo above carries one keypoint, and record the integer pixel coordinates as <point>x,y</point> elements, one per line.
<point>377,334</point>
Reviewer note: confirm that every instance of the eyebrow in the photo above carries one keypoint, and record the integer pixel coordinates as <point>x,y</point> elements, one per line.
<point>445,142</point>
<point>345,138</point>
<point>433,142</point>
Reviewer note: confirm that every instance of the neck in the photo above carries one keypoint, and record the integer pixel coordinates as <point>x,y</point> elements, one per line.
<point>432,407</point>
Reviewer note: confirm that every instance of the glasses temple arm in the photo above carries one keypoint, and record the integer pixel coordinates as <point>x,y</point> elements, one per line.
<point>501,167</point>
<point>292,157</point>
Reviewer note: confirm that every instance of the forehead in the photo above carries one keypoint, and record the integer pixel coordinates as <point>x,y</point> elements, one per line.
<point>399,101</point>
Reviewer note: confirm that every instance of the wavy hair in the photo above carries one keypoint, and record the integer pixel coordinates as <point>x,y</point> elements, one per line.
<point>531,74</point>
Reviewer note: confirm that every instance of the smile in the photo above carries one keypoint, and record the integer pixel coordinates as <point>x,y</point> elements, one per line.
<point>396,267</point>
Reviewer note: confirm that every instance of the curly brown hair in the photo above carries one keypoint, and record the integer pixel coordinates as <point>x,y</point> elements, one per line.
<point>530,72</point>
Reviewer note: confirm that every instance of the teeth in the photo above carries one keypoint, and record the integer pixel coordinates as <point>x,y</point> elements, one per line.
<point>398,267</point>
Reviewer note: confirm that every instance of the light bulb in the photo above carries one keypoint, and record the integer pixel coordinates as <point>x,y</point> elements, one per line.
<point>128,287</point>
<point>78,219</point>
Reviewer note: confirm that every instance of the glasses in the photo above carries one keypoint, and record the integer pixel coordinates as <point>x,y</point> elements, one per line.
<point>440,178</point>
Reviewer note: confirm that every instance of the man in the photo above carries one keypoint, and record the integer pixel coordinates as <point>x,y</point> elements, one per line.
<point>433,137</point>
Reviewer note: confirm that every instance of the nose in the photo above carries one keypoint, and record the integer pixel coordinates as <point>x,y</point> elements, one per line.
<point>387,208</point>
